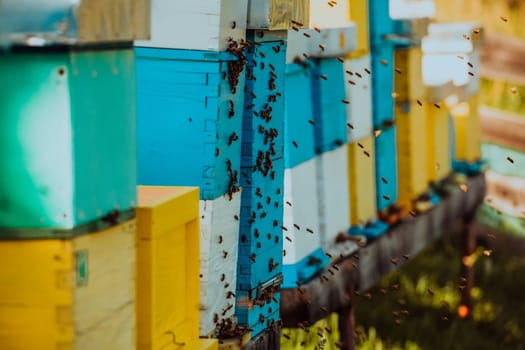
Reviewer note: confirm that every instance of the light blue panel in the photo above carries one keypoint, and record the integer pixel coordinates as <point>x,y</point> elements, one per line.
<point>260,317</point>
<point>328,93</point>
<point>263,118</point>
<point>299,142</point>
<point>189,119</point>
<point>386,167</point>
<point>260,232</point>
<point>305,269</point>
<point>67,138</point>
<point>382,84</point>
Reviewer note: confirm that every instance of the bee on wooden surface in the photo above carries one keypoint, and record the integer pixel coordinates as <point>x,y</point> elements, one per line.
<point>397,70</point>
<point>322,47</point>
<point>309,231</point>
<point>386,198</point>
<point>341,59</point>
<point>367,71</point>
<point>345,102</point>
<point>350,125</point>
<point>234,25</point>
<point>297,226</point>
<point>323,76</point>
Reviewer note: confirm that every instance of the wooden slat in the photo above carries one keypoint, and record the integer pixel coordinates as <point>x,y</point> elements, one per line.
<point>502,58</point>
<point>502,128</point>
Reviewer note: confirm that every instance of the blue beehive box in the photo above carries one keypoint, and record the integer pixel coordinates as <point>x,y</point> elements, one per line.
<point>260,233</point>
<point>189,119</point>
<point>260,316</point>
<point>328,95</point>
<point>380,23</point>
<point>382,84</point>
<point>67,140</point>
<point>386,168</point>
<point>263,118</point>
<point>299,123</point>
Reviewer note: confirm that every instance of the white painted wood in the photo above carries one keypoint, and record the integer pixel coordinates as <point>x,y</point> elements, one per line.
<point>196,25</point>
<point>300,185</point>
<point>277,14</point>
<point>411,9</point>
<point>333,41</point>
<point>333,193</point>
<point>323,15</point>
<point>219,234</point>
<point>359,93</point>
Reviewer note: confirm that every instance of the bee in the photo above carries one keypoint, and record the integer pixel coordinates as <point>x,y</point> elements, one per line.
<point>470,65</point>
<point>383,62</point>
<point>295,28</point>
<point>311,121</point>
<point>346,102</point>
<point>252,257</point>
<point>276,48</point>
<point>224,254</point>
<point>288,239</point>
<point>406,256</point>
<point>351,82</point>
<point>284,228</point>
<point>471,74</point>
<point>437,105</point>
<point>234,25</point>
<point>324,309</point>
<point>386,198</point>
<point>397,70</point>
<point>220,239</point>
<point>297,226</point>
<point>350,125</point>
<point>328,255</point>
<point>510,160</point>
<point>262,54</point>
<point>367,70</point>
<point>309,231</point>
<point>322,47</point>
<point>504,19</point>
<point>317,29</point>
<point>419,103</point>
<point>236,217</point>
<point>217,152</point>
<point>393,261</point>
<point>366,154</point>
<point>349,72</point>
<point>295,144</point>
<point>341,59</point>
<point>286,336</point>
<point>384,180</point>
<point>223,277</point>
<point>289,204</point>
<point>358,75</point>
<point>323,76</point>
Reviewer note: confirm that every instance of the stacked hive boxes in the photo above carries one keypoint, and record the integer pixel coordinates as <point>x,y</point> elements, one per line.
<point>68,184</point>
<point>190,102</point>
<point>460,56</point>
<point>396,28</point>
<point>167,243</point>
<point>262,173</point>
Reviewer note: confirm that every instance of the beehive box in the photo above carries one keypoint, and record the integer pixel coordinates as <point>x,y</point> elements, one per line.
<point>503,160</point>
<point>218,260</point>
<point>359,15</point>
<point>382,84</point>
<point>358,89</point>
<point>69,294</point>
<point>328,95</point>
<point>260,316</point>
<point>408,80</point>
<point>299,142</point>
<point>333,41</point>
<point>167,268</point>
<point>189,119</point>
<point>34,22</point>
<point>412,152</point>
<point>301,226</point>
<point>467,130</point>
<point>203,25</point>
<point>263,118</point>
<point>437,143</point>
<point>68,139</point>
<point>277,14</point>
<point>386,168</point>
<point>380,23</point>
<point>361,180</point>
<point>323,15</point>
<point>333,193</point>
<point>260,232</point>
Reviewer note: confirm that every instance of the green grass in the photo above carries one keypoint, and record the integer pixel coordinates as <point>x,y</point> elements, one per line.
<point>422,312</point>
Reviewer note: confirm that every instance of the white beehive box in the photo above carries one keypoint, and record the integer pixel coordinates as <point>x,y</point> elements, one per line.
<point>219,233</point>
<point>358,86</point>
<point>332,182</point>
<point>300,191</point>
<point>196,25</point>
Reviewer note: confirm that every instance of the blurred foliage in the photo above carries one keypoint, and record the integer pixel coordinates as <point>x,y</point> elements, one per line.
<point>503,95</point>
<point>416,306</point>
<point>323,335</point>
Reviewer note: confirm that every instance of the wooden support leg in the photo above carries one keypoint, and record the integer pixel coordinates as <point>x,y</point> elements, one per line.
<point>347,324</point>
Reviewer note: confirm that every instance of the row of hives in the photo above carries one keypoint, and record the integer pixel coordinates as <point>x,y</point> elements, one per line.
<point>299,127</point>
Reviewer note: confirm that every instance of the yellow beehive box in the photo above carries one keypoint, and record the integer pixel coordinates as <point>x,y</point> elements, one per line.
<point>361,181</point>
<point>411,151</point>
<point>167,286</point>
<point>438,143</point>
<point>408,76</point>
<point>467,130</point>
<point>359,15</point>
<point>69,293</point>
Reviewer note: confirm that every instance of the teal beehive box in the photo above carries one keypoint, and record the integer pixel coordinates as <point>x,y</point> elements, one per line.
<point>67,140</point>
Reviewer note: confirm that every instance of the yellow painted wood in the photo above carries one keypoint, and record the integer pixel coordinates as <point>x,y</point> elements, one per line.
<point>408,78</point>
<point>167,287</point>
<point>236,343</point>
<point>438,143</point>
<point>361,177</point>
<point>411,151</point>
<point>69,294</point>
<point>467,130</point>
<point>359,15</point>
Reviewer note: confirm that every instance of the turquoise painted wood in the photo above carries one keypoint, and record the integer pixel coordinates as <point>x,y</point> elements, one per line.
<point>503,160</point>
<point>67,137</point>
<point>189,119</point>
<point>299,123</point>
<point>328,95</point>
<point>386,168</point>
<point>263,118</point>
<point>382,84</point>
<point>260,317</point>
